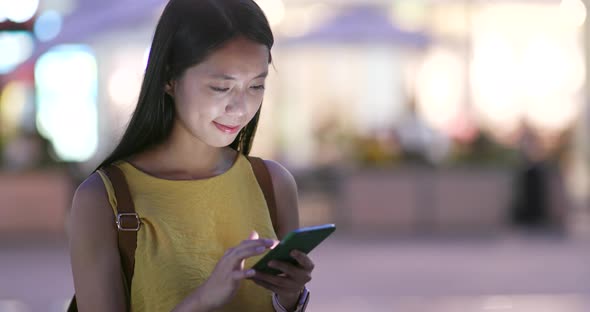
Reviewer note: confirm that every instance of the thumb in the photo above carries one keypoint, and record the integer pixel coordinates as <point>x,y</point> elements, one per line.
<point>253,235</point>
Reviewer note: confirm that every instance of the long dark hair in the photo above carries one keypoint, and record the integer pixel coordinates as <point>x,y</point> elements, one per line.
<point>187,32</point>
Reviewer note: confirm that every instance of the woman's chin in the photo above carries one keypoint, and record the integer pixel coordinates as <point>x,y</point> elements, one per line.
<point>222,141</point>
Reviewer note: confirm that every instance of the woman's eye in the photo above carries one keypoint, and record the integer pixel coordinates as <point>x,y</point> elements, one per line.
<point>216,89</point>
<point>259,87</point>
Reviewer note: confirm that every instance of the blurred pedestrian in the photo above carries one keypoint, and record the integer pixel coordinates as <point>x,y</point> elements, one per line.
<point>531,204</point>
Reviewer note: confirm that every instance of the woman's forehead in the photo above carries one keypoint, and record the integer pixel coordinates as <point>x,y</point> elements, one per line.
<point>235,60</point>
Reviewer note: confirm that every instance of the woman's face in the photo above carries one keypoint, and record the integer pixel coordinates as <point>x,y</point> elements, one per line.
<point>216,98</point>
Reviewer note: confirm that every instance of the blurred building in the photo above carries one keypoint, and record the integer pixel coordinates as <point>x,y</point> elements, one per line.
<point>405,112</point>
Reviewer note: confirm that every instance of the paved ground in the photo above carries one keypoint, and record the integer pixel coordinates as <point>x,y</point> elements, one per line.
<point>504,273</point>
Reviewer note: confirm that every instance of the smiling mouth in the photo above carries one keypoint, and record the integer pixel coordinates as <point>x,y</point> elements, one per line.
<point>226,128</point>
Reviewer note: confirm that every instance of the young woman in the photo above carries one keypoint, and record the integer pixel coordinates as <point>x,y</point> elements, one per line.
<point>204,219</point>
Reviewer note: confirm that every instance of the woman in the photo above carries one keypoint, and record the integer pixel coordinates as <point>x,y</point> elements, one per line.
<point>204,219</point>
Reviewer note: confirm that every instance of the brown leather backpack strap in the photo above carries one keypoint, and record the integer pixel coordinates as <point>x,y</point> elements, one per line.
<point>265,181</point>
<point>128,223</point>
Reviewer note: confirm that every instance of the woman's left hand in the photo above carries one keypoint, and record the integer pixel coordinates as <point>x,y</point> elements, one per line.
<point>287,286</point>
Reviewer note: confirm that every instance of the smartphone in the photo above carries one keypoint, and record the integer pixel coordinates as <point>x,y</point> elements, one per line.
<point>303,239</point>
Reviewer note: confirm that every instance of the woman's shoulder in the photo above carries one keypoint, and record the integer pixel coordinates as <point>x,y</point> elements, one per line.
<point>91,190</point>
<point>280,175</point>
<point>90,206</point>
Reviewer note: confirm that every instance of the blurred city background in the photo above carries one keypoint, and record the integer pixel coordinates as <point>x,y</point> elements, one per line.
<point>449,140</point>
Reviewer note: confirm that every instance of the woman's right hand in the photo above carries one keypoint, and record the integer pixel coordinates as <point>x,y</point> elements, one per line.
<point>223,282</point>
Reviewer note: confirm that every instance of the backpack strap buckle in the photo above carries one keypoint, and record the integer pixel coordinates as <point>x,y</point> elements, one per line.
<point>125,226</point>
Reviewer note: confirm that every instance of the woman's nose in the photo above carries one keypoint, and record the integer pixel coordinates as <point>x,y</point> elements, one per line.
<point>237,105</point>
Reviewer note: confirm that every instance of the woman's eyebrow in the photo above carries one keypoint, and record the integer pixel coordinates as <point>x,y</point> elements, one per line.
<point>228,77</point>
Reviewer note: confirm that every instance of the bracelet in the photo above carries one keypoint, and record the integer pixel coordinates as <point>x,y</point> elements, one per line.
<point>301,303</point>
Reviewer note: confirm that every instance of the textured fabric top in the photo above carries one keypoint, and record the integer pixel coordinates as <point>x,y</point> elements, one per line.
<point>187,225</point>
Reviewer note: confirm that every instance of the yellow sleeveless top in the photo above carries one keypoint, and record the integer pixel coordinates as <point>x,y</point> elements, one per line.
<point>187,225</point>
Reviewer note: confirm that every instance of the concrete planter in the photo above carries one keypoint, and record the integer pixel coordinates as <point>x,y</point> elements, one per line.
<point>34,202</point>
<point>417,200</point>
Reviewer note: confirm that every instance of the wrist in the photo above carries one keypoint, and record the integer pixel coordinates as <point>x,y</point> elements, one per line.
<point>200,298</point>
<point>289,301</point>
<point>286,304</point>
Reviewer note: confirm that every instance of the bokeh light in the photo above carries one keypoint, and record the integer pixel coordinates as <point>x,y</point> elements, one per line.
<point>20,11</point>
<point>15,48</point>
<point>48,25</point>
<point>573,12</point>
<point>124,86</point>
<point>440,86</point>
<point>66,80</point>
<point>273,9</point>
<point>13,101</point>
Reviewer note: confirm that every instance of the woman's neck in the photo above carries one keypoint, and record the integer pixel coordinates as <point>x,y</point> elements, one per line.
<point>183,156</point>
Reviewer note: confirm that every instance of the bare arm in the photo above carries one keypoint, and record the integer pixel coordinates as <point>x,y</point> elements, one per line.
<point>94,253</point>
<point>285,189</point>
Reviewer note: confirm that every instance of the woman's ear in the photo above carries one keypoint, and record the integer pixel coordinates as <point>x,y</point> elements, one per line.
<point>169,88</point>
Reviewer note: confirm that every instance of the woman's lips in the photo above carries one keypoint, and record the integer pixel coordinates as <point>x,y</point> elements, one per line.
<point>227,129</point>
